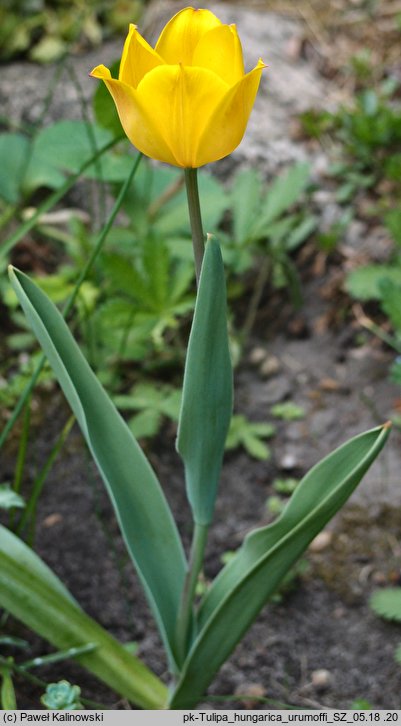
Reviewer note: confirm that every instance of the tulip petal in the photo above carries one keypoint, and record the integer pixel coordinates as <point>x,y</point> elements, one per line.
<point>100,72</point>
<point>182,33</point>
<point>141,126</point>
<point>138,58</point>
<point>220,51</point>
<point>180,101</point>
<point>226,126</point>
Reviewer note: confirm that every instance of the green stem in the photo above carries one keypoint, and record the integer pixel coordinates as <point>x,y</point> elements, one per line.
<point>198,238</point>
<point>29,512</point>
<point>185,612</point>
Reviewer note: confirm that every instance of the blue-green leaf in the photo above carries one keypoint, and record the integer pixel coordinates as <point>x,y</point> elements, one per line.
<point>250,578</point>
<point>207,390</point>
<point>31,592</point>
<point>142,511</point>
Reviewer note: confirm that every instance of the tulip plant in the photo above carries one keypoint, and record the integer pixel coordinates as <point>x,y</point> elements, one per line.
<point>186,102</point>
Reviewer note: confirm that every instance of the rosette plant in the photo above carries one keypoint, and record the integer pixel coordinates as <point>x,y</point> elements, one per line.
<point>186,102</point>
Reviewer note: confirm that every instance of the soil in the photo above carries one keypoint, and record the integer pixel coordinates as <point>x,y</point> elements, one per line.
<point>319,645</point>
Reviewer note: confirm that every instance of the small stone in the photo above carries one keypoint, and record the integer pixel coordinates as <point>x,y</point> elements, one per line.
<point>270,366</point>
<point>288,461</point>
<point>52,519</point>
<point>250,693</point>
<point>321,679</point>
<point>257,356</point>
<point>321,541</point>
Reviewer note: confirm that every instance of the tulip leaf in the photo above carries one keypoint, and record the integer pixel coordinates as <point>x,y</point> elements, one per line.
<point>207,390</point>
<point>10,544</point>
<point>31,592</point>
<point>143,514</point>
<point>252,575</point>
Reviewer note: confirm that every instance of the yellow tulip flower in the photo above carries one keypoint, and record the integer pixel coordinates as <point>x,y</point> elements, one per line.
<point>187,101</point>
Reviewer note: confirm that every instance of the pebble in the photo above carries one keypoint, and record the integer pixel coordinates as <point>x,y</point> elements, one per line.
<point>52,519</point>
<point>257,356</point>
<point>321,541</point>
<point>249,693</point>
<point>270,366</point>
<point>288,461</point>
<point>321,679</point>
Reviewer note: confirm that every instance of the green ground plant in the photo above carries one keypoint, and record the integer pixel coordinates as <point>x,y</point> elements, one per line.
<point>368,137</point>
<point>386,603</point>
<point>381,283</point>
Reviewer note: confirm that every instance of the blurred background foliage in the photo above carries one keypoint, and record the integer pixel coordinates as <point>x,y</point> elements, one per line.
<point>45,30</point>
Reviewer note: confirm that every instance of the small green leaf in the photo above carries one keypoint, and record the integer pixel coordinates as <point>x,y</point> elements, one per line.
<point>249,434</point>
<point>145,424</point>
<point>14,150</point>
<point>288,411</point>
<point>62,696</point>
<point>207,389</point>
<point>393,220</point>
<point>9,498</point>
<point>48,49</point>
<point>65,146</point>
<point>245,203</point>
<point>391,301</point>
<point>364,282</point>
<point>275,504</point>
<point>281,195</point>
<point>361,704</point>
<point>387,603</point>
<point>285,486</point>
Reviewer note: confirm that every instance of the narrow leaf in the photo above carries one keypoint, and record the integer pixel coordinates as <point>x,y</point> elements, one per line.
<point>250,578</point>
<point>245,203</point>
<point>13,546</point>
<point>31,592</point>
<point>7,693</point>
<point>141,509</point>
<point>207,389</point>
<point>281,195</point>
